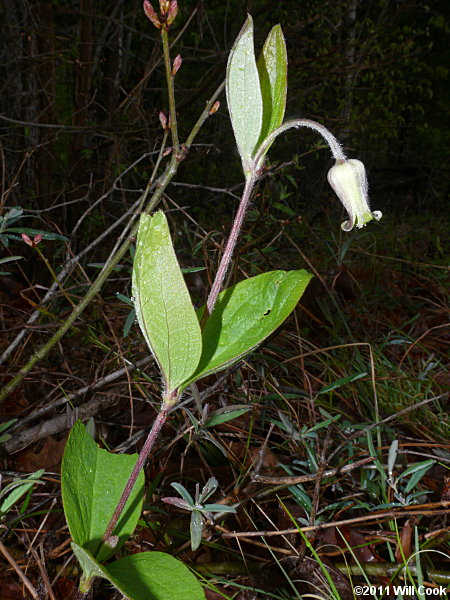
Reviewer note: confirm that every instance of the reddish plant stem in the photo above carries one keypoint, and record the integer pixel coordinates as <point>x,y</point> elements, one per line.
<point>229,249</point>
<point>146,448</point>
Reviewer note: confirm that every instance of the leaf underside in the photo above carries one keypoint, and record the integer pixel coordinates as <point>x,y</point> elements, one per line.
<point>163,305</point>
<point>244,93</point>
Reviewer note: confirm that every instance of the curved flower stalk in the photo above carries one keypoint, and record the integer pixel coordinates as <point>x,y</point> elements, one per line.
<point>347,177</point>
<point>256,95</point>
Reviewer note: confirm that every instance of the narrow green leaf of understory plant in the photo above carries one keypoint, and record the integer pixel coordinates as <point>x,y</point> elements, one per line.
<point>244,94</point>
<point>226,415</point>
<point>46,235</point>
<point>92,481</point>
<point>163,306</point>
<point>196,529</point>
<point>392,457</point>
<point>417,471</point>
<point>16,489</point>
<point>341,382</point>
<point>245,315</point>
<point>183,492</point>
<point>272,70</point>
<point>144,576</point>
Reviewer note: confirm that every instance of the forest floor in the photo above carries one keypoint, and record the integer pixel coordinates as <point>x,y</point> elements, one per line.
<point>331,440</point>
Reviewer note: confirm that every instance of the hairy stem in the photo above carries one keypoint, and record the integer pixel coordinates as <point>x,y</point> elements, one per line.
<point>231,244</point>
<point>334,145</point>
<point>146,449</point>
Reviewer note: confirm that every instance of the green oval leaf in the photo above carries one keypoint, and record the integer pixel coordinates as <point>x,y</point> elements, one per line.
<point>163,306</point>
<point>154,576</point>
<point>92,481</point>
<point>245,315</point>
<point>244,94</point>
<point>144,576</point>
<point>272,70</point>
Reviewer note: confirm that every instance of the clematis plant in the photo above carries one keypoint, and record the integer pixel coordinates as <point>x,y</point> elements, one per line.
<point>190,344</point>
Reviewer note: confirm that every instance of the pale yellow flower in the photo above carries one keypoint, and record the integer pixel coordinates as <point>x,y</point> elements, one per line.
<point>348,179</point>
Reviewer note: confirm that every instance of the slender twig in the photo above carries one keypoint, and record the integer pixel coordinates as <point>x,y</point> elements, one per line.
<point>44,574</point>
<point>160,186</point>
<point>202,118</point>
<point>372,516</point>
<point>387,569</point>
<point>377,569</point>
<point>72,262</point>
<point>170,90</point>
<point>54,276</point>
<point>27,583</point>
<point>296,479</point>
<point>72,397</point>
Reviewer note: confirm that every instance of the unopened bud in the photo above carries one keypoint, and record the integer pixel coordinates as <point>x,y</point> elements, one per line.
<point>215,107</point>
<point>172,12</point>
<point>32,242</point>
<point>151,14</point>
<point>164,6</point>
<point>167,151</point>
<point>163,120</point>
<point>176,64</point>
<point>27,239</point>
<point>348,179</point>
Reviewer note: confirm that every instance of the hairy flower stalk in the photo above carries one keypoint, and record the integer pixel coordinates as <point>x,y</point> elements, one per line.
<point>347,177</point>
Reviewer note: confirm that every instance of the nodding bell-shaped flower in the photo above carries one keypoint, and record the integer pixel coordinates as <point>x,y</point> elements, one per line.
<point>348,179</point>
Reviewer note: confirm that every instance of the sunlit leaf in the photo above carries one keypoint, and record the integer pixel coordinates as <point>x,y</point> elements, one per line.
<point>92,482</point>
<point>144,576</point>
<point>245,315</point>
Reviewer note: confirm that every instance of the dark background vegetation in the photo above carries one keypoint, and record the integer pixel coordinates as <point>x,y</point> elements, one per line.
<point>82,84</point>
